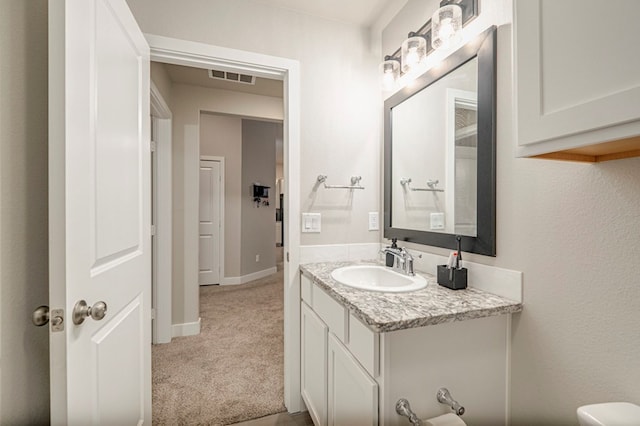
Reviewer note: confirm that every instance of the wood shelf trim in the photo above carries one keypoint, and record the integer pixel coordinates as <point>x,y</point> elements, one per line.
<point>606,151</point>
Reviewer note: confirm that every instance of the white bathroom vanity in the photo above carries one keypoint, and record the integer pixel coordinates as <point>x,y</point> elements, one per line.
<point>361,351</point>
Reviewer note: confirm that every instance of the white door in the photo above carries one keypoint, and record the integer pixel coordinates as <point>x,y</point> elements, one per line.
<point>209,254</point>
<point>99,214</point>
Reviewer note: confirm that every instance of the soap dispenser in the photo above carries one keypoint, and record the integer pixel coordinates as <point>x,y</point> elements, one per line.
<point>390,258</point>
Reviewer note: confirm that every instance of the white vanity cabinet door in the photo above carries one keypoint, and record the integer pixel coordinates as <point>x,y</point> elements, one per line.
<point>314,364</point>
<point>577,75</point>
<point>353,394</point>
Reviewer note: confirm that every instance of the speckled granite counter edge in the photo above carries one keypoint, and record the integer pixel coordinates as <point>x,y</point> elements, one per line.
<point>386,312</point>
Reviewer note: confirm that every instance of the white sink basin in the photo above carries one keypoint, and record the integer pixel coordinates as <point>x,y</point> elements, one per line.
<point>377,278</point>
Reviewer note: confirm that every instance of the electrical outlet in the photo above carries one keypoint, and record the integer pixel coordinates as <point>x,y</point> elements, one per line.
<point>257,258</point>
<point>437,220</point>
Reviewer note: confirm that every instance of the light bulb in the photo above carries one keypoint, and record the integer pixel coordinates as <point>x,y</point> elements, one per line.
<point>388,80</point>
<point>446,26</point>
<point>446,29</point>
<point>413,52</point>
<point>389,73</point>
<point>412,58</point>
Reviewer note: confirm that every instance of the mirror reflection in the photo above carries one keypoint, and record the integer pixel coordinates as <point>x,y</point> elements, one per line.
<point>434,156</point>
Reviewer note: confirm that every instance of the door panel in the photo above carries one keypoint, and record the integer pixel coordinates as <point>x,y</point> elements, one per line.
<point>117,158</point>
<point>114,353</point>
<point>99,215</point>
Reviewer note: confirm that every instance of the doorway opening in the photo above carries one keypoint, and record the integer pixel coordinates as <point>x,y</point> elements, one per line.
<point>192,54</point>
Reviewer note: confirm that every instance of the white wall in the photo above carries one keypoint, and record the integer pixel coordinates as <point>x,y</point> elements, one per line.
<point>340,102</point>
<point>258,222</point>
<point>574,230</point>
<point>24,348</point>
<point>188,102</point>
<point>221,136</point>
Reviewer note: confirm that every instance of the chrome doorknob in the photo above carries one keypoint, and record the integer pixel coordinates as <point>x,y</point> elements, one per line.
<point>81,311</point>
<point>40,316</point>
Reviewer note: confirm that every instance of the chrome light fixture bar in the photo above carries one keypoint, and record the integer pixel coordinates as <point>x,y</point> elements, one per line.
<point>441,31</point>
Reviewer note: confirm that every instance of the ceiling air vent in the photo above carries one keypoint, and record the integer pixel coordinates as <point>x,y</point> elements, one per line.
<point>232,76</point>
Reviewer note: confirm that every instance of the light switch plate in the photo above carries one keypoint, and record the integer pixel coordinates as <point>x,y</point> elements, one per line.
<point>374,223</point>
<point>311,222</point>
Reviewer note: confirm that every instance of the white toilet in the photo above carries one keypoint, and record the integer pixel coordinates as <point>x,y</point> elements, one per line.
<point>609,414</point>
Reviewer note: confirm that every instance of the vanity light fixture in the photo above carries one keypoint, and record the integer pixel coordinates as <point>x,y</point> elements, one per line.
<point>446,26</point>
<point>442,31</point>
<point>414,52</point>
<point>389,73</point>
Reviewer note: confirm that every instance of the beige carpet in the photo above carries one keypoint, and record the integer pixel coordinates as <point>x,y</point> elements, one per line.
<point>233,370</point>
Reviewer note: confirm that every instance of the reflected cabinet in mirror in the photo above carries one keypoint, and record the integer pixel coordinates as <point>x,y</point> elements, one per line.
<point>440,153</point>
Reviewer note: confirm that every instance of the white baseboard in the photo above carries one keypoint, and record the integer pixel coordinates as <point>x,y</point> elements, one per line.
<point>186,329</point>
<point>249,277</point>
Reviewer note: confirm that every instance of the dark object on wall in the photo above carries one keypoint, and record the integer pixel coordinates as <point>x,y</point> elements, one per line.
<point>260,191</point>
<point>282,219</point>
<point>260,195</point>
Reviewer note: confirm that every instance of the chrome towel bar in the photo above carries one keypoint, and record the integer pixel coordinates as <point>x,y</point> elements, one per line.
<point>430,183</point>
<point>355,183</point>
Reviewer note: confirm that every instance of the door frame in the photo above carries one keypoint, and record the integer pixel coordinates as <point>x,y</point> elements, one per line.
<point>221,206</point>
<point>162,213</point>
<point>200,55</point>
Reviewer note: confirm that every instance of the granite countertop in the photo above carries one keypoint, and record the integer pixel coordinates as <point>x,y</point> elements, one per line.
<point>384,312</point>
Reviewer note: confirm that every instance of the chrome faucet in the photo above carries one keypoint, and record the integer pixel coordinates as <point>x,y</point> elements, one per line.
<point>403,259</point>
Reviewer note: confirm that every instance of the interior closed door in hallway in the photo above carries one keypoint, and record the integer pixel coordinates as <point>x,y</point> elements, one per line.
<point>209,259</point>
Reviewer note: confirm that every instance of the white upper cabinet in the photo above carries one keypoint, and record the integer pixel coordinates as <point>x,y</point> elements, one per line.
<point>577,79</point>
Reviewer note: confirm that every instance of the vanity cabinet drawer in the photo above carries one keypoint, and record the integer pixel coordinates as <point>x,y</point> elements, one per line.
<point>331,312</point>
<point>363,344</point>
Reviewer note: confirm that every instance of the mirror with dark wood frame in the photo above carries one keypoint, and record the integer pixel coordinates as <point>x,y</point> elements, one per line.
<point>440,153</point>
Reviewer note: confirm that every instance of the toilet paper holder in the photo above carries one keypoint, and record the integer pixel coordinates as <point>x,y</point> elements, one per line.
<point>443,396</point>
<point>404,409</point>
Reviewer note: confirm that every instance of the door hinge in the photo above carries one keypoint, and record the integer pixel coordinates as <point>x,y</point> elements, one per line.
<point>287,256</point>
<point>153,230</point>
<point>153,313</point>
<point>153,146</point>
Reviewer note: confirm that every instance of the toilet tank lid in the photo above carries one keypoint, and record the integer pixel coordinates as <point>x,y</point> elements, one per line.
<point>610,413</point>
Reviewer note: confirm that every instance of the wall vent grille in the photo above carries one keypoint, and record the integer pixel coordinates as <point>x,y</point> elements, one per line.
<point>232,76</point>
